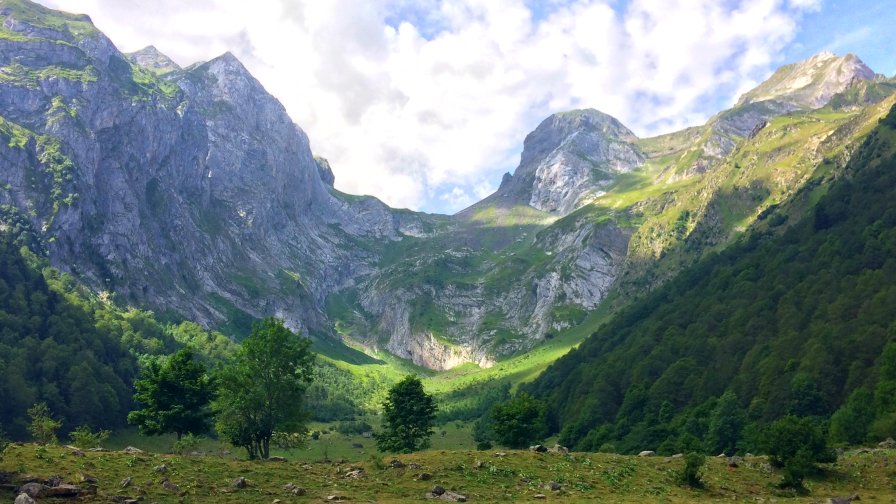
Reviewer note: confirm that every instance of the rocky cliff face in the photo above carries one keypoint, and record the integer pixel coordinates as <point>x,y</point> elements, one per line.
<point>569,157</point>
<point>193,193</point>
<point>190,191</point>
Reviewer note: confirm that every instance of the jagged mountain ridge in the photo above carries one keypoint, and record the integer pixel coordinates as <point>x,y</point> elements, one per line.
<point>192,192</point>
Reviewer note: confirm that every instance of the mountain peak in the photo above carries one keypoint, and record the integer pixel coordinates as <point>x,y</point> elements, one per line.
<point>153,60</point>
<point>812,82</point>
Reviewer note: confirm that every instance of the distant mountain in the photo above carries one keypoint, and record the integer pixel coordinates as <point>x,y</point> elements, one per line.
<point>191,192</point>
<point>793,319</point>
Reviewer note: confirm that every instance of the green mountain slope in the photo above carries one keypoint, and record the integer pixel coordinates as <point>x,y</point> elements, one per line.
<point>791,323</point>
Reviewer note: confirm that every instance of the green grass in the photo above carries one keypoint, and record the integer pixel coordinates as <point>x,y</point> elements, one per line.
<point>481,477</point>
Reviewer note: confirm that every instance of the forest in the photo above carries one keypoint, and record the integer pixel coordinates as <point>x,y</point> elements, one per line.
<point>794,320</point>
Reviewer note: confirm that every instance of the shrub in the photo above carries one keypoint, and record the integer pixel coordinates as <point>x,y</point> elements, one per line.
<point>796,444</point>
<point>186,444</point>
<point>691,475</point>
<point>43,427</point>
<point>84,437</point>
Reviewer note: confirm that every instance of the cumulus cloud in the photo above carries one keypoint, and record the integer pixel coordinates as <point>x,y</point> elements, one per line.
<point>425,103</point>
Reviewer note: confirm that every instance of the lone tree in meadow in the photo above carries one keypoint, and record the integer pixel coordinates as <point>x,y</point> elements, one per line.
<point>520,421</point>
<point>262,390</point>
<point>174,396</point>
<point>409,414</point>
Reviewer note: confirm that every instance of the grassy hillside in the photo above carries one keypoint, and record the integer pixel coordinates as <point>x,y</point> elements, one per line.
<point>791,323</point>
<point>479,476</point>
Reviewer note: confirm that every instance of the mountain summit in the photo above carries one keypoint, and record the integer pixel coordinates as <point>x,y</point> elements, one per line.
<point>811,83</point>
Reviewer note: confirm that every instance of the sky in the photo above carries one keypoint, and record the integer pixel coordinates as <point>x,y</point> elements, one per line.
<point>425,103</point>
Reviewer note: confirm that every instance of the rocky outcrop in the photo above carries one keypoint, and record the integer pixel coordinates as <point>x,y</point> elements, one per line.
<point>569,157</point>
<point>153,60</point>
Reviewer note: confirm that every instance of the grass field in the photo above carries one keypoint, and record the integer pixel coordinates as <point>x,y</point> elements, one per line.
<point>480,476</point>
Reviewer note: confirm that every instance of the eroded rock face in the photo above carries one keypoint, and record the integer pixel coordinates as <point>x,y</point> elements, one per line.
<point>569,157</point>
<point>195,193</point>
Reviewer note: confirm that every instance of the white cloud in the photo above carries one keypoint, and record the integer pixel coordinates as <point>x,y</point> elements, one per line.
<point>440,97</point>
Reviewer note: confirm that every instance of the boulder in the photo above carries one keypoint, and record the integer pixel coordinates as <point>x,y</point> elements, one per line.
<point>843,500</point>
<point>500,454</point>
<point>887,443</point>
<point>559,449</point>
<point>355,474</point>
<point>161,469</point>
<point>131,449</point>
<point>64,491</point>
<point>453,497</point>
<point>171,487</point>
<point>239,482</point>
<point>539,496</point>
<point>423,477</point>
<point>336,498</point>
<point>437,490</point>
<point>538,448</point>
<point>24,498</point>
<point>34,489</point>
<point>647,453</point>
<point>396,464</point>
<point>276,459</point>
<point>554,486</point>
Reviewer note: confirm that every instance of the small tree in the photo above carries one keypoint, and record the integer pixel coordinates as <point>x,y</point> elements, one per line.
<point>725,425</point>
<point>262,389</point>
<point>175,395</point>
<point>408,417</point>
<point>519,421</point>
<point>84,437</point>
<point>796,444</point>
<point>43,426</point>
<point>691,475</point>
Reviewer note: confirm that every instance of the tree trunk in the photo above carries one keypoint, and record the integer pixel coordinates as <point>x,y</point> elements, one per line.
<point>266,447</point>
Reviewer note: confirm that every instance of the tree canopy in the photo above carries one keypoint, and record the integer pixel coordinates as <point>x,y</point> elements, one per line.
<point>262,389</point>
<point>174,394</point>
<point>408,417</point>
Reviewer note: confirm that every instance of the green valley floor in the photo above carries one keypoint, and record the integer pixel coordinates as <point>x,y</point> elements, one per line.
<point>509,476</point>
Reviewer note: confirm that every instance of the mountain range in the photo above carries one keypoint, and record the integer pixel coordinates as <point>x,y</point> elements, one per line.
<point>191,192</point>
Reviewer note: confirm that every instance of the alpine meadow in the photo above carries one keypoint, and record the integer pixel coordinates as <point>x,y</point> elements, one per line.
<point>191,311</point>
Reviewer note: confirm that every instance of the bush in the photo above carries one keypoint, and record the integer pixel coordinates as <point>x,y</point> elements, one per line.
<point>355,427</point>
<point>691,475</point>
<point>84,437</point>
<point>186,444</point>
<point>796,444</point>
<point>43,427</point>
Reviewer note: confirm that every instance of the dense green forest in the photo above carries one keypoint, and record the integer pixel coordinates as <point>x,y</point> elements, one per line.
<point>80,353</point>
<point>793,320</point>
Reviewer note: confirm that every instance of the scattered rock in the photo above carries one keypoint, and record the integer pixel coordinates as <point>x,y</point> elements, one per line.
<point>500,454</point>
<point>336,498</point>
<point>88,479</point>
<point>554,486</point>
<point>678,455</point>
<point>396,464</point>
<point>423,477</point>
<point>538,448</point>
<point>647,453</point>
<point>734,462</point>
<point>414,466</point>
<point>35,490</point>
<point>843,500</point>
<point>97,449</point>
<point>161,469</point>
<point>24,498</point>
<point>294,489</point>
<point>355,474</point>
<point>562,450</point>
<point>239,482</point>
<point>887,443</point>
<point>539,496</point>
<point>306,467</point>
<point>54,480</point>
<point>126,482</point>
<point>453,497</point>
<point>171,487</point>
<point>721,455</point>
<point>437,490</point>
<point>64,491</point>
<point>276,501</point>
<point>276,459</point>
<point>131,449</point>
<point>479,464</point>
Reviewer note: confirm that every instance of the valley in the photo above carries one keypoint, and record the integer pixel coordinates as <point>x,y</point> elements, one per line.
<point>684,293</point>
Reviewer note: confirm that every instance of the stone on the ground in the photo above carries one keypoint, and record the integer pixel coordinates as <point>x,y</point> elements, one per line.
<point>34,490</point>
<point>24,498</point>
<point>538,448</point>
<point>131,449</point>
<point>647,453</point>
<point>126,482</point>
<point>438,490</point>
<point>239,482</point>
<point>540,496</point>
